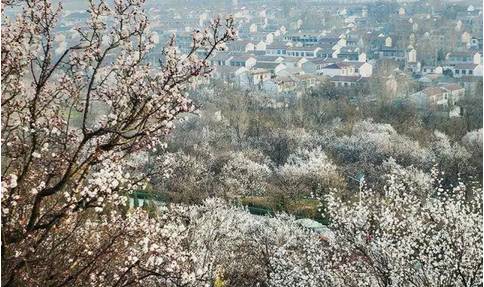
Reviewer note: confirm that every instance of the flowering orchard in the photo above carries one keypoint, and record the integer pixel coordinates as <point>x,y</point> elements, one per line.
<point>82,116</point>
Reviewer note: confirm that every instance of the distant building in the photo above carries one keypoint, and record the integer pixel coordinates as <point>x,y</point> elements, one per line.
<point>463,57</point>
<point>254,77</point>
<point>228,74</point>
<point>243,60</point>
<point>309,52</point>
<point>277,48</point>
<point>411,55</point>
<point>241,46</point>
<point>348,53</point>
<point>388,42</point>
<point>467,69</point>
<point>346,81</point>
<point>274,68</point>
<point>305,38</point>
<point>431,98</point>
<point>390,53</point>
<point>456,92</point>
<point>442,98</point>
<point>431,70</point>
<point>346,68</point>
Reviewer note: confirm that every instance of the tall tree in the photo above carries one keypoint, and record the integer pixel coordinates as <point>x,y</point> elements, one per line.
<point>74,124</point>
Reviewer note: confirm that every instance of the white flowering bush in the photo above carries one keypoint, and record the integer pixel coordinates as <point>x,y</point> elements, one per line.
<point>446,151</point>
<point>309,171</point>
<point>405,239</point>
<point>184,177</point>
<point>253,250</point>
<point>372,143</point>
<point>414,180</point>
<point>472,142</point>
<point>243,175</point>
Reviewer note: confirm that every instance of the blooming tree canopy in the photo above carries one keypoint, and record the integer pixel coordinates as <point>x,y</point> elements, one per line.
<point>403,238</point>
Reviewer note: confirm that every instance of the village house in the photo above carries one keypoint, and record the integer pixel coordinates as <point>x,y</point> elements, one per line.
<point>363,69</point>
<point>309,52</point>
<point>290,71</point>
<point>269,59</point>
<point>243,60</point>
<point>353,40</point>
<point>305,38</point>
<point>346,68</point>
<point>413,68</point>
<point>390,53</point>
<point>293,62</point>
<point>332,40</point>
<point>280,84</point>
<point>467,69</point>
<point>273,68</point>
<point>345,81</point>
<point>260,46</point>
<point>443,98</point>
<point>228,74</point>
<point>431,98</point>
<point>455,91</point>
<point>327,51</point>
<point>337,69</point>
<point>323,62</point>
<point>269,38</point>
<point>308,66</point>
<point>348,53</point>
<point>277,48</point>
<point>307,81</point>
<point>463,57</point>
<point>254,77</point>
<point>431,70</point>
<point>241,46</point>
<point>411,55</point>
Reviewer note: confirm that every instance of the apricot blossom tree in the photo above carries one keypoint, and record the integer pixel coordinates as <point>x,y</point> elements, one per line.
<point>73,121</point>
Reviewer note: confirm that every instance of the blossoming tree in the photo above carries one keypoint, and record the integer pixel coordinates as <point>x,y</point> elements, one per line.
<point>404,238</point>
<point>73,117</point>
<point>248,250</point>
